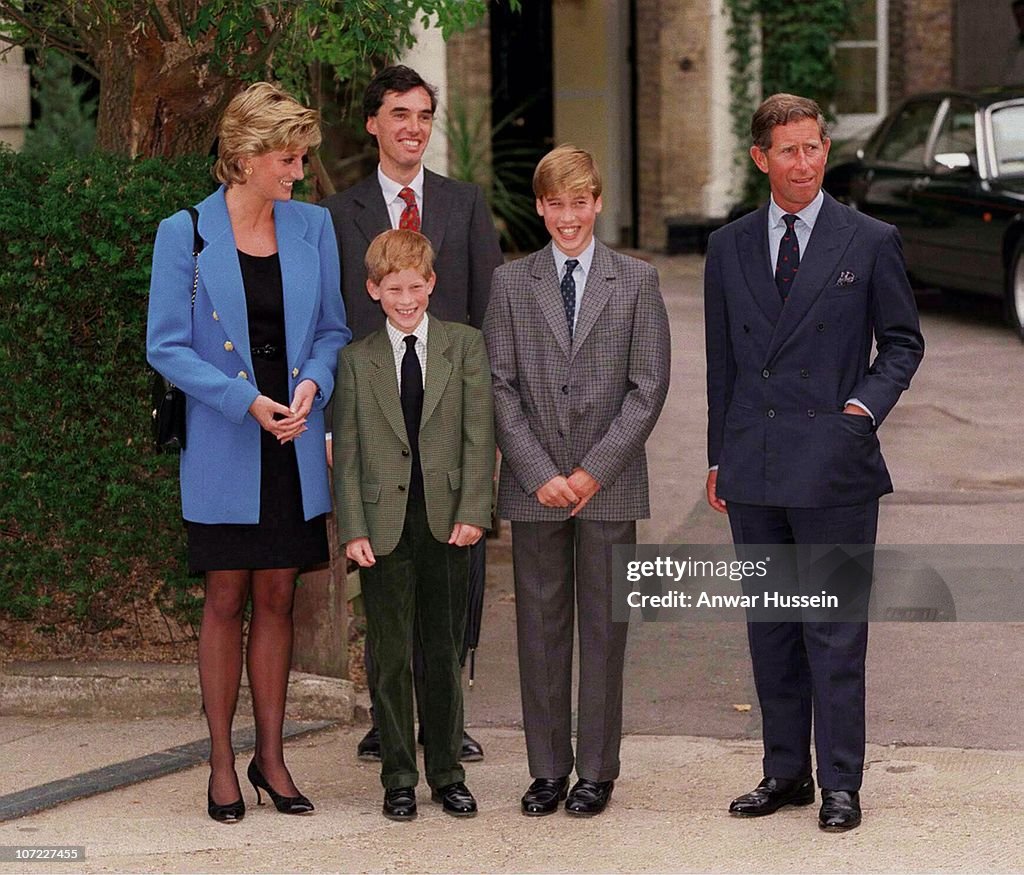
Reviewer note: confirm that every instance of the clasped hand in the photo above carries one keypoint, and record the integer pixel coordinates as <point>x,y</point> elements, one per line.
<point>360,551</point>
<point>577,489</point>
<point>292,420</point>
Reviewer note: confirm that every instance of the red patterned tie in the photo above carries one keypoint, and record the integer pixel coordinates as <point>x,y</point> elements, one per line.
<point>410,220</point>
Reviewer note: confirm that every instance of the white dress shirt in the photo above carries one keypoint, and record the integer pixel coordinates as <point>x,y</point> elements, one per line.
<point>398,346</point>
<point>390,189</point>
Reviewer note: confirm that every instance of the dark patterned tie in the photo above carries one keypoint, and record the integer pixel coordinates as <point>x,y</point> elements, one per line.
<point>789,258</point>
<point>412,408</point>
<point>410,219</point>
<point>568,288</point>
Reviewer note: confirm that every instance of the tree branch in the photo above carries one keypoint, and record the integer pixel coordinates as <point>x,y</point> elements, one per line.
<point>162,29</point>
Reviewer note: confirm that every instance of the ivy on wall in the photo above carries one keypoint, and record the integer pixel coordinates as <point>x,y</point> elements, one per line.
<point>792,43</point>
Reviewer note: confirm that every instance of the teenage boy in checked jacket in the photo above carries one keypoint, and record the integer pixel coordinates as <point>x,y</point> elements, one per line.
<point>413,461</point>
<point>578,341</point>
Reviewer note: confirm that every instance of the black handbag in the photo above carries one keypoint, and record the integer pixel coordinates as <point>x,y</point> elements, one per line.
<point>168,399</point>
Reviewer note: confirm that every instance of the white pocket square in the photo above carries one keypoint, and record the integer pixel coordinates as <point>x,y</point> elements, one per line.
<point>846,278</point>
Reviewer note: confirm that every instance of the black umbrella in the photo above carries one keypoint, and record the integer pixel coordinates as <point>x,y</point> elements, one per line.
<point>474,604</point>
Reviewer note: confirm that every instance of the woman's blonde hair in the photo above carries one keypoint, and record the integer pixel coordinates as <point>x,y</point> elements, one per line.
<point>263,118</point>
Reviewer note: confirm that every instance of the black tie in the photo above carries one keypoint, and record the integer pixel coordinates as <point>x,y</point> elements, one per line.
<point>568,288</point>
<point>789,258</point>
<point>412,408</point>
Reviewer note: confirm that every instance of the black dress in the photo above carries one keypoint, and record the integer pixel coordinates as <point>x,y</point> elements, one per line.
<point>283,538</point>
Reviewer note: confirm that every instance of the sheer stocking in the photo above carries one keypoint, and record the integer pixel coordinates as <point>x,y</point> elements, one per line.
<point>268,659</point>
<point>220,672</point>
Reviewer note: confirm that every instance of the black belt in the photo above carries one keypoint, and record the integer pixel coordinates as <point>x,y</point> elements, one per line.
<point>267,352</point>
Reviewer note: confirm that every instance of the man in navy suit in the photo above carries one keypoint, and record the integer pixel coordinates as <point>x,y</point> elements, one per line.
<point>794,294</point>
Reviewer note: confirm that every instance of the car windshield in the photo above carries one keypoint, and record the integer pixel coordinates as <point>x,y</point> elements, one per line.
<point>1008,139</point>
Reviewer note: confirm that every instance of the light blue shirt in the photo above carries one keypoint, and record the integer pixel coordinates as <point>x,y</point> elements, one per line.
<point>803,226</point>
<point>579,274</point>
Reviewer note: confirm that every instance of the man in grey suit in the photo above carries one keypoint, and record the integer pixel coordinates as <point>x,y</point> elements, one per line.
<point>578,341</point>
<point>399,108</point>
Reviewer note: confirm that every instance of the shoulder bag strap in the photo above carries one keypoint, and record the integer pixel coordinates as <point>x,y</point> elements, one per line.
<point>197,247</point>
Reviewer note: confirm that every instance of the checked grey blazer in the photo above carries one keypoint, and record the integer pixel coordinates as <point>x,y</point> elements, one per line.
<point>590,402</point>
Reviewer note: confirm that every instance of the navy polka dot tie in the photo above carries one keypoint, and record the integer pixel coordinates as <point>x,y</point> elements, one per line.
<point>789,258</point>
<point>568,288</point>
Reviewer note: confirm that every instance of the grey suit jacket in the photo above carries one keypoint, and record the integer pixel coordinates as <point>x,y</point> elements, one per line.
<point>373,464</point>
<point>588,402</point>
<point>458,225</point>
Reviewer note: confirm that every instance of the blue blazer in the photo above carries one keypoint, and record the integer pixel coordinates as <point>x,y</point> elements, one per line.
<point>206,353</point>
<point>779,376</point>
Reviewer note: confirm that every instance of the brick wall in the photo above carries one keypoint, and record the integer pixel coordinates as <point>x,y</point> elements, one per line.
<point>672,109</point>
<point>927,45</point>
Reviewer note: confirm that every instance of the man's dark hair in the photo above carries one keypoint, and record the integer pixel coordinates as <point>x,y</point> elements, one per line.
<point>781,109</point>
<point>395,78</point>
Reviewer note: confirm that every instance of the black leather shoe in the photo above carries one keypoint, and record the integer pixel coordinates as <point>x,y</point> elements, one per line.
<point>840,810</point>
<point>230,813</point>
<point>588,798</point>
<point>544,795</point>
<point>771,794</point>
<point>471,751</point>
<point>455,799</point>
<point>285,804</point>
<point>400,803</point>
<point>369,747</point>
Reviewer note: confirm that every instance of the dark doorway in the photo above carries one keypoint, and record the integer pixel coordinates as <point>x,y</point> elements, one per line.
<point>522,108</point>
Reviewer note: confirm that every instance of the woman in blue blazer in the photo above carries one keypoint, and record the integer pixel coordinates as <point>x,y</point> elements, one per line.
<point>256,356</point>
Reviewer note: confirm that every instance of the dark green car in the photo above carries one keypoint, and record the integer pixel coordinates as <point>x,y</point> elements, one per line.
<point>947,169</point>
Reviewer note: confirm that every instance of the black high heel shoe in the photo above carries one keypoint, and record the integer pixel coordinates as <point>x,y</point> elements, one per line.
<point>230,813</point>
<point>285,804</point>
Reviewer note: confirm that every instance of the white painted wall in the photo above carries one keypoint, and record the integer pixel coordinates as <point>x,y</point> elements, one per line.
<point>15,111</point>
<point>429,59</point>
<point>721,191</point>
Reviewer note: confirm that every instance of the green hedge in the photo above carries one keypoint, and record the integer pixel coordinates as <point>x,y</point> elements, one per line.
<point>89,513</point>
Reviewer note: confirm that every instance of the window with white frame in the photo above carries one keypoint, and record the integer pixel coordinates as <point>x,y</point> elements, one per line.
<point>862,62</point>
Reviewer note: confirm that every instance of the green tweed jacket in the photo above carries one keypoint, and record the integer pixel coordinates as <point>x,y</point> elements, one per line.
<point>372,459</point>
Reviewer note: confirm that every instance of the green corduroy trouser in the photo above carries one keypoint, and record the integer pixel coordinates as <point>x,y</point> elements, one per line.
<point>418,589</point>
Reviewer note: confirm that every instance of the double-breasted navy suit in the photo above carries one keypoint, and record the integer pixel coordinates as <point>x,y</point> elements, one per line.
<point>205,351</point>
<point>792,466</point>
<point>779,376</point>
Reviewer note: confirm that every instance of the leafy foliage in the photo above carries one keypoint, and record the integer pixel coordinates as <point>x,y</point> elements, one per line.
<point>67,118</point>
<point>87,508</point>
<point>190,56</point>
<point>494,166</point>
<point>796,56</point>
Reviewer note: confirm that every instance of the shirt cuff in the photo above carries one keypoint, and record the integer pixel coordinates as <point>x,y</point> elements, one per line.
<point>863,407</point>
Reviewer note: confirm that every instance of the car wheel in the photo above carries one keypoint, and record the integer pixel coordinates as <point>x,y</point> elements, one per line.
<point>1015,290</point>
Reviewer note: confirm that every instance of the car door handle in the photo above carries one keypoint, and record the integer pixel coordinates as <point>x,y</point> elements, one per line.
<point>920,183</point>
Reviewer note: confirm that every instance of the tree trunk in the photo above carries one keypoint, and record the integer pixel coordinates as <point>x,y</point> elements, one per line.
<point>158,96</point>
